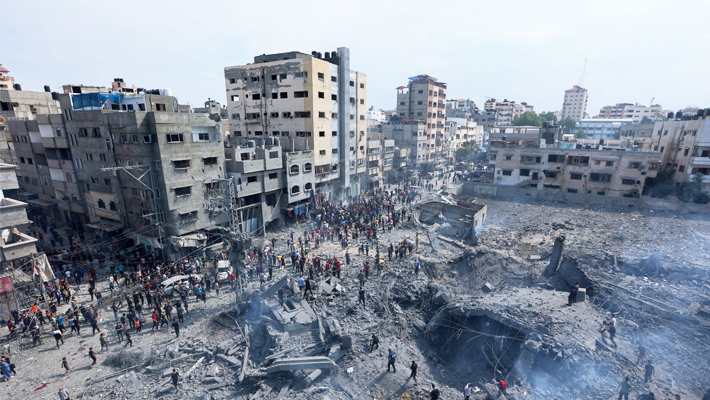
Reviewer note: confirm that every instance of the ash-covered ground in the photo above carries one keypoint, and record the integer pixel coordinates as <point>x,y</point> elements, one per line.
<point>476,313</point>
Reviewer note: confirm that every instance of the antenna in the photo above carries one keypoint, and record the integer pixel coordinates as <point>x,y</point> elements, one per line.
<point>581,80</point>
<point>652,98</point>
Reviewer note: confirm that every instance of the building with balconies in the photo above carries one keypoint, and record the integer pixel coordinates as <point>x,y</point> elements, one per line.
<point>685,145</point>
<point>13,220</point>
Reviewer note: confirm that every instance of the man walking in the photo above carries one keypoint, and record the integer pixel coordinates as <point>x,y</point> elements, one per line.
<point>176,326</point>
<point>649,371</point>
<point>467,391</point>
<point>175,376</point>
<point>361,296</point>
<point>128,338</point>
<point>413,374</point>
<point>625,389</point>
<point>104,342</point>
<point>92,356</point>
<point>391,358</point>
<point>374,343</point>
<point>64,394</point>
<point>435,393</point>
<point>119,331</point>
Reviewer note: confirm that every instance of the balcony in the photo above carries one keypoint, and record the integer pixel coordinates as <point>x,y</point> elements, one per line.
<point>12,213</point>
<point>700,161</point>
<point>249,166</point>
<point>65,165</point>
<point>37,148</point>
<point>373,171</point>
<point>16,245</point>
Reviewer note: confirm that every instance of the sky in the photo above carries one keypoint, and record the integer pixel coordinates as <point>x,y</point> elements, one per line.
<point>515,50</point>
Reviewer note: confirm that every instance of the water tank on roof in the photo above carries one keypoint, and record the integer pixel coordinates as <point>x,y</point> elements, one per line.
<point>327,54</point>
<point>679,114</point>
<point>166,92</point>
<point>47,89</point>
<point>277,142</point>
<point>320,55</point>
<point>17,86</point>
<point>670,115</point>
<point>314,53</point>
<point>251,144</point>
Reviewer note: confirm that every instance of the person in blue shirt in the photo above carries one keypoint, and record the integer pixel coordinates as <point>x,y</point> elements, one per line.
<point>391,358</point>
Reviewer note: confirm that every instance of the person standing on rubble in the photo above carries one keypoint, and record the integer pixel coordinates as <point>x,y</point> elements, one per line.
<point>175,376</point>
<point>416,267</point>
<point>647,396</point>
<point>413,374</point>
<point>374,343</point>
<point>435,393</point>
<point>361,278</point>
<point>649,370</point>
<point>467,391</point>
<point>625,388</point>
<point>361,296</point>
<point>176,327</point>
<point>575,290</point>
<point>641,354</point>
<point>391,358</point>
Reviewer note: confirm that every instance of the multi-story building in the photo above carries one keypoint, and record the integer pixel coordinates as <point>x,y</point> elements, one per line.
<point>125,165</point>
<point>637,137</point>
<point>504,111</point>
<point>575,103</point>
<point>634,112</point>
<point>613,112</point>
<point>597,128</point>
<point>410,135</point>
<point>424,99</point>
<point>685,145</point>
<point>305,99</point>
<point>15,243</point>
<point>457,104</point>
<point>375,116</point>
<point>464,130</point>
<point>523,107</point>
<point>521,160</point>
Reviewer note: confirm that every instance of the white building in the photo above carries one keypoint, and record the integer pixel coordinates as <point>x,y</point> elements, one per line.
<point>523,107</point>
<point>575,104</point>
<point>375,116</point>
<point>637,112</point>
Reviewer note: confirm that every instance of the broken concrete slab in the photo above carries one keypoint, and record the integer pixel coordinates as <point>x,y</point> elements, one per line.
<point>581,295</point>
<point>346,342</point>
<point>274,288</point>
<point>229,360</point>
<point>441,298</point>
<point>313,376</point>
<point>299,364</point>
<point>487,288</point>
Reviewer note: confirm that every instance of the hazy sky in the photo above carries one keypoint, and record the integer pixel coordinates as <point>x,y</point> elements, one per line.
<point>519,50</point>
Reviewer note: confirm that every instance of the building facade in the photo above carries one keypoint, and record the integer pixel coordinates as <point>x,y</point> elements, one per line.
<point>424,99</point>
<point>597,128</point>
<point>685,146</point>
<point>311,101</point>
<point>375,116</point>
<point>575,103</point>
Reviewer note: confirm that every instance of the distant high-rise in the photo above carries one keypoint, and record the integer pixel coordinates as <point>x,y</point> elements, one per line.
<point>575,103</point>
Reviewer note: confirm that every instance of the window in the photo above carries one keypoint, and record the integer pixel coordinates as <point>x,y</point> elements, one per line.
<point>529,159</point>
<point>203,137</point>
<point>594,177</point>
<point>251,179</point>
<point>681,168</point>
<point>571,190</point>
<point>335,151</point>
<point>555,158</point>
<point>687,150</point>
<point>124,138</point>
<point>22,160</point>
<point>274,77</point>
<point>181,164</point>
<point>576,177</point>
<point>362,117</point>
<point>274,114</point>
<point>235,97</point>
<point>237,133</point>
<point>321,114</point>
<point>628,181</point>
<point>112,206</point>
<point>134,138</point>
<point>550,174</point>
<point>333,79</point>
<point>362,86</point>
<point>308,186</point>
<point>89,157</point>
<point>300,95</point>
<point>334,133</point>
<point>107,181</point>
<point>255,79</point>
<point>253,116</point>
<point>88,187</point>
<point>275,133</point>
<point>321,95</point>
<point>101,204</point>
<point>83,132</point>
<point>294,169</point>
<point>353,116</point>
<point>232,80</point>
<point>578,160</point>
<point>307,167</point>
<point>183,191</point>
<point>256,96</point>
<point>296,190</point>
<point>273,154</point>
<point>524,172</point>
<point>321,134</point>
<point>188,216</point>
<point>610,163</point>
<point>507,173</point>
<point>362,101</point>
<point>601,193</point>
<point>160,107</point>
<point>94,180</point>
<point>303,74</point>
<point>321,152</point>
<point>283,95</point>
<point>635,165</point>
<point>302,114</point>
<point>102,157</point>
<point>334,115</point>
<point>274,175</point>
<point>174,138</point>
<point>352,83</point>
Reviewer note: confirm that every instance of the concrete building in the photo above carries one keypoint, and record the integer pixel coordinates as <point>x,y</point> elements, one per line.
<point>504,111</point>
<point>575,103</point>
<point>463,131</point>
<point>296,96</point>
<point>123,165</point>
<point>613,112</point>
<point>634,112</point>
<point>375,116</point>
<point>411,137</point>
<point>638,137</point>
<point>457,104</point>
<point>424,99</point>
<point>523,107</point>
<point>15,243</point>
<point>596,128</point>
<point>685,146</point>
<point>579,169</point>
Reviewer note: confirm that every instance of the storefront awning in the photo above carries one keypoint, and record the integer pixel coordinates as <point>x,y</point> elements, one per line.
<point>106,225</point>
<point>42,203</point>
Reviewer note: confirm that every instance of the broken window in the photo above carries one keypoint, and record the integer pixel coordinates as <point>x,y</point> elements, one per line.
<point>610,163</point>
<point>550,174</point>
<point>595,177</point>
<point>628,181</point>
<point>571,190</point>
<point>188,216</point>
<point>209,161</point>
<point>256,96</point>
<point>294,169</point>
<point>578,160</point>
<point>576,177</point>
<point>524,172</point>
<point>302,114</point>
<point>183,191</point>
<point>300,94</point>
<point>101,204</point>
<point>181,164</point>
<point>507,172</point>
<point>244,157</point>
<point>251,179</point>
<point>296,190</point>
<point>160,107</point>
<point>634,165</point>
<point>555,158</point>
<point>307,167</point>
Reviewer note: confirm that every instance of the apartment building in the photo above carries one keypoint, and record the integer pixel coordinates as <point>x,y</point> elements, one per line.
<point>464,130</point>
<point>122,165</point>
<point>375,116</point>
<point>597,128</point>
<point>504,111</point>
<point>424,99</point>
<point>634,112</point>
<point>530,160</point>
<point>410,136</point>
<point>575,103</point>
<point>523,107</point>
<point>15,243</point>
<point>315,105</point>
<point>685,146</point>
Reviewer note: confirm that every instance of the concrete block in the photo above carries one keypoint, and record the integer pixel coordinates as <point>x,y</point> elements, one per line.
<point>487,288</point>
<point>441,298</point>
<point>581,295</point>
<point>346,342</point>
<point>299,364</point>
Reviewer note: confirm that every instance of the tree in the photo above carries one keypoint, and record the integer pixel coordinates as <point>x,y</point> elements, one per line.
<point>528,118</point>
<point>548,116</point>
<point>463,153</point>
<point>580,134</point>
<point>569,124</point>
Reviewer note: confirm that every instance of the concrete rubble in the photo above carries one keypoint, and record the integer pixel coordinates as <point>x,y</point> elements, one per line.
<point>481,311</point>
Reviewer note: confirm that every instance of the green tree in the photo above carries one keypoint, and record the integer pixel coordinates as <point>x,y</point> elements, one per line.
<point>548,116</point>
<point>528,118</point>
<point>463,153</point>
<point>569,124</point>
<point>580,134</point>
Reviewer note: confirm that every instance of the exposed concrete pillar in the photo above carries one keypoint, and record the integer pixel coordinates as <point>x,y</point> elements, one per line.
<point>556,256</point>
